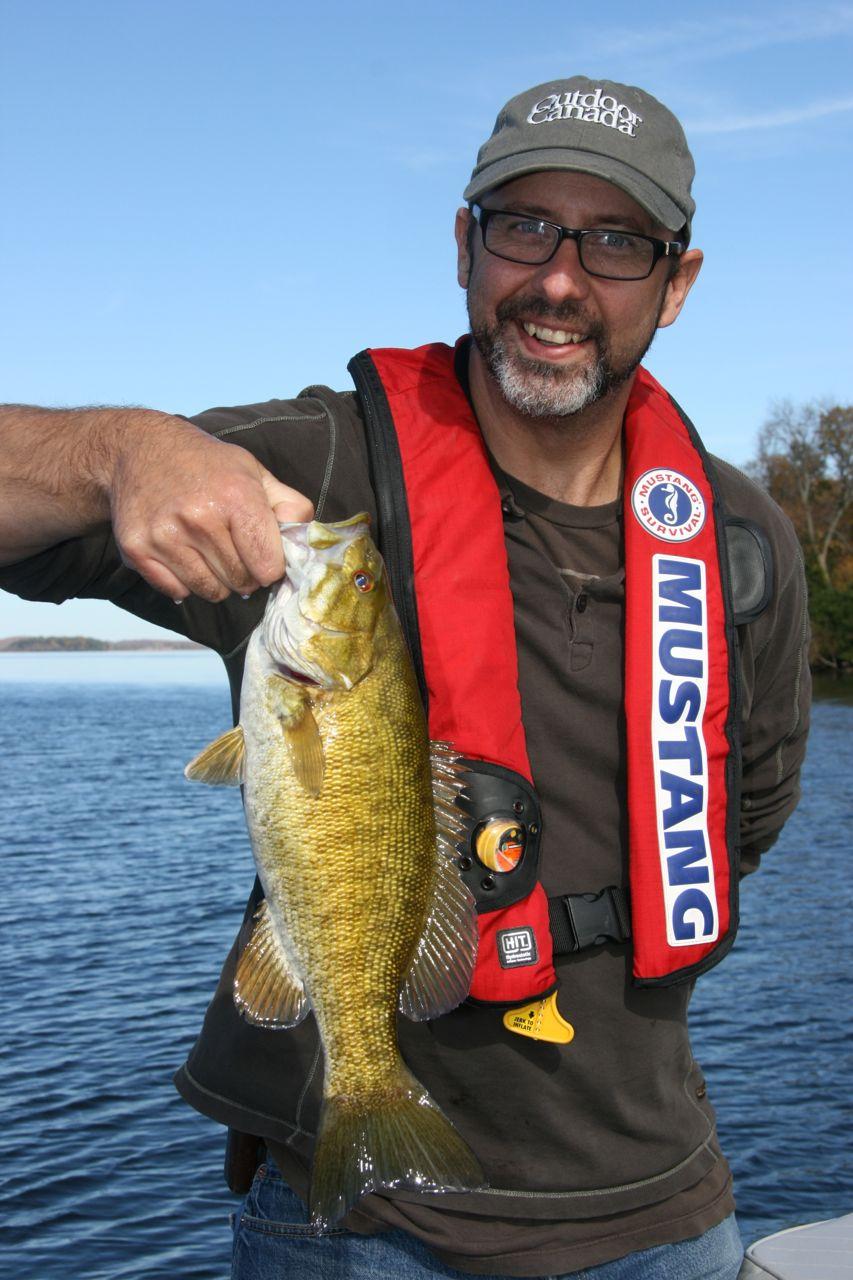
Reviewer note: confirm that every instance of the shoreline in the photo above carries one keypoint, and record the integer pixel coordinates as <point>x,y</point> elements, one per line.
<point>89,644</point>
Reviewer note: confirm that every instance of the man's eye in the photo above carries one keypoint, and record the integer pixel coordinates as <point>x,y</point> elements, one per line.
<point>615,240</point>
<point>526,227</point>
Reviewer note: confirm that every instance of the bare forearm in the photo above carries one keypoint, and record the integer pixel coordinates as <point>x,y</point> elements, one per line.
<point>189,514</point>
<point>56,468</point>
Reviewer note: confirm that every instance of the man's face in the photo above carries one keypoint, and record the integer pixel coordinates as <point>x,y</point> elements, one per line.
<point>524,318</point>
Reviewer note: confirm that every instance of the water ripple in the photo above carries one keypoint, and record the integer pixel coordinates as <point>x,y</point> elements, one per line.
<point>124,888</point>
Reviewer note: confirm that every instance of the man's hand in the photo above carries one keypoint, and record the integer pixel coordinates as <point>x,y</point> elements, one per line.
<point>191,514</point>
<point>197,516</point>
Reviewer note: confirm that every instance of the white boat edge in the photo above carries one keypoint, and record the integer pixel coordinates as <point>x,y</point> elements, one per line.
<point>820,1250</point>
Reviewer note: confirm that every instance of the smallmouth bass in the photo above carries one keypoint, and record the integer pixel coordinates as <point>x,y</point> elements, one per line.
<point>352,820</point>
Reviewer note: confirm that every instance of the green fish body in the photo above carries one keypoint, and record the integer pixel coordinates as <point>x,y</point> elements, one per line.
<point>352,820</point>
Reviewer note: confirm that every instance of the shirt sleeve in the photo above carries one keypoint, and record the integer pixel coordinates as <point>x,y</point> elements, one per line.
<point>313,443</point>
<point>776,693</point>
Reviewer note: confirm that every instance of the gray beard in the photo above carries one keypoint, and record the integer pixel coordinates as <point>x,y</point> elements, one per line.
<point>538,389</point>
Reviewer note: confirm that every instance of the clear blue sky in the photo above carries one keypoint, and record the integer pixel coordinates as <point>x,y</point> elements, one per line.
<point>213,203</point>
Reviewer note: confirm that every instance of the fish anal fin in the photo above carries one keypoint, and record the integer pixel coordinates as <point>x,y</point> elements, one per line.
<point>222,763</point>
<point>267,989</point>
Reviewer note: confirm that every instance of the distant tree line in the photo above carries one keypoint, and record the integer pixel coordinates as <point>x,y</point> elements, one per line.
<point>77,644</point>
<point>50,644</point>
<point>805,461</point>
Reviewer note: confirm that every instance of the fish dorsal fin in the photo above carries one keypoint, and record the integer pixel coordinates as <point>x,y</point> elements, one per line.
<point>222,763</point>
<point>440,974</point>
<point>267,989</point>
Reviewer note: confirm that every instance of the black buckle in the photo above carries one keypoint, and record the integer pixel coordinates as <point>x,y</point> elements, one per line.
<point>581,920</point>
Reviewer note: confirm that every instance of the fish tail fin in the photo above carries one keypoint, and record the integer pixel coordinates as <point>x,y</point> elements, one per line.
<point>396,1138</point>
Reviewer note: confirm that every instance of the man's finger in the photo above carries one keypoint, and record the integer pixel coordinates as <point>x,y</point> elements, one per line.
<point>226,558</point>
<point>187,571</point>
<point>257,542</point>
<point>289,505</point>
<point>162,579</point>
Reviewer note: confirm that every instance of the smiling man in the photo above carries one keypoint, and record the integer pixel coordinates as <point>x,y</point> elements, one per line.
<point>610,626</point>
<point>548,335</point>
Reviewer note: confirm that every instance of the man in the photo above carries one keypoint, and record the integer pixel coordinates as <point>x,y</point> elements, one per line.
<point>574,249</point>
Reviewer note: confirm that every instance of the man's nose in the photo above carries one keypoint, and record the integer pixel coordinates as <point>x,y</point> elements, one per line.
<point>563,276</point>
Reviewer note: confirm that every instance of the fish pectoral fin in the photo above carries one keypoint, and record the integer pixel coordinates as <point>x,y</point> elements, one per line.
<point>267,989</point>
<point>222,763</point>
<point>305,748</point>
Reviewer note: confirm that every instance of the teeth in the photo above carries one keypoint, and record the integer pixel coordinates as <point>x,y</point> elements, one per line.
<point>559,337</point>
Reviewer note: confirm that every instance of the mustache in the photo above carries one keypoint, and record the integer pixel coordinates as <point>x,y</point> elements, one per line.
<point>555,317</point>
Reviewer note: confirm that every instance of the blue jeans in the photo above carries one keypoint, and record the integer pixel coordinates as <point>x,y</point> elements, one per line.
<point>273,1240</point>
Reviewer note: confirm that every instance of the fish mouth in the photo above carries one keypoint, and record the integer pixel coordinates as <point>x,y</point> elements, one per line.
<point>292,638</point>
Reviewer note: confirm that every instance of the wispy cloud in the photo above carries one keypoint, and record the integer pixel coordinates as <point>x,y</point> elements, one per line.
<point>426,159</point>
<point>769,119</point>
<point>702,39</point>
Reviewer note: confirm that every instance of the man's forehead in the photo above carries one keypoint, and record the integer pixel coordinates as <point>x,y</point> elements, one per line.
<point>550,192</point>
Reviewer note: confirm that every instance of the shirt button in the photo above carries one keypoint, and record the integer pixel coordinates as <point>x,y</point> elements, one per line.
<point>510,511</point>
<point>581,602</point>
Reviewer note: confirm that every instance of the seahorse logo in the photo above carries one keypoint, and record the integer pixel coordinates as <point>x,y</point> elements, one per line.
<point>668,504</point>
<point>671,503</point>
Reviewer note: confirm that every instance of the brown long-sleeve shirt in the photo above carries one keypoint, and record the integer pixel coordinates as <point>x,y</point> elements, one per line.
<point>594,1149</point>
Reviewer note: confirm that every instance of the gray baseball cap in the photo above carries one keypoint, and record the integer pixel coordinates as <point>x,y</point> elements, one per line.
<point>612,131</point>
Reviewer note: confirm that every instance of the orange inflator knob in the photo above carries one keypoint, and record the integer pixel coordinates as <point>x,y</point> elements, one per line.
<point>499,844</point>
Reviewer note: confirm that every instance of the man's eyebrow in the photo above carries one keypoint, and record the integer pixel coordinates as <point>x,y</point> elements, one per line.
<point>601,219</point>
<point>536,209</point>
<point>622,220</point>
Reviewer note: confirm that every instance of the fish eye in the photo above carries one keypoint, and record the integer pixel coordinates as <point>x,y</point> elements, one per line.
<point>363,580</point>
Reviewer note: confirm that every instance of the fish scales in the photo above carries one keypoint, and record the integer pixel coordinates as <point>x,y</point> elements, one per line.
<point>343,903</point>
<point>364,911</point>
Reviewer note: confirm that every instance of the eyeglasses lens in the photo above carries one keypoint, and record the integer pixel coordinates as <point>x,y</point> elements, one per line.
<point>520,239</point>
<point>616,255</point>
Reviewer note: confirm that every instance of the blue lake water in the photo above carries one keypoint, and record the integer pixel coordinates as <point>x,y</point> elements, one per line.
<point>124,886</point>
<point>115,666</point>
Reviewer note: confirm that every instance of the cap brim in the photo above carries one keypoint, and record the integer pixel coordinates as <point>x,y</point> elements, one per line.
<point>634,184</point>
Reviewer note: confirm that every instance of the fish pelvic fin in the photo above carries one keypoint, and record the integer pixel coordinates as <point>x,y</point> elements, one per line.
<point>440,974</point>
<point>267,989</point>
<point>395,1137</point>
<point>222,763</point>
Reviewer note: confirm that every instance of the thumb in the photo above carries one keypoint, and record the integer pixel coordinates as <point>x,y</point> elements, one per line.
<point>288,505</point>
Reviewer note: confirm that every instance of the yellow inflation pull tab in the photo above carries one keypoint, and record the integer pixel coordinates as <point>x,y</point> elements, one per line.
<point>541,1020</point>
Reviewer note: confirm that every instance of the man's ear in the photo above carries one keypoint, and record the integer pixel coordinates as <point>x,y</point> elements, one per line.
<point>679,285</point>
<point>464,218</point>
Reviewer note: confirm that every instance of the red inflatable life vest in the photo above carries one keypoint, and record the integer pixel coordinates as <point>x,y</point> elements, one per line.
<point>680,678</point>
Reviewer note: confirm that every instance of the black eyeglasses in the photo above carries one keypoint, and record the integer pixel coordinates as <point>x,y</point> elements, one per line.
<point>613,255</point>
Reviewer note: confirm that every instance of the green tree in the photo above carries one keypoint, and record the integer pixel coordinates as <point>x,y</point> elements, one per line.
<point>805,461</point>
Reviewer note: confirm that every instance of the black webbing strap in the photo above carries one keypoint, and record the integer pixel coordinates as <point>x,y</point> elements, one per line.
<point>581,920</point>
